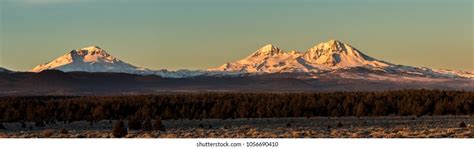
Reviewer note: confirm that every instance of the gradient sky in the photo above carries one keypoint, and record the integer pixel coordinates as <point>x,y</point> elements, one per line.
<point>198,34</point>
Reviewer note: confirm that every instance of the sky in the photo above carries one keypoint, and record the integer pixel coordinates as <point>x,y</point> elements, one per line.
<point>200,34</point>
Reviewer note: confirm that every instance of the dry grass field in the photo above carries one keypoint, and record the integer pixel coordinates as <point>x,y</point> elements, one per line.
<point>314,127</point>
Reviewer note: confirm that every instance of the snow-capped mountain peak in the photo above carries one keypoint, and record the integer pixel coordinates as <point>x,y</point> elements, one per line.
<point>267,59</point>
<point>333,54</point>
<point>337,54</point>
<point>91,48</point>
<point>332,44</point>
<point>267,50</point>
<point>93,54</point>
<point>88,59</point>
<point>332,57</point>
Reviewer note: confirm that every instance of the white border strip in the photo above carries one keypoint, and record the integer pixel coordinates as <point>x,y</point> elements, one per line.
<point>192,143</point>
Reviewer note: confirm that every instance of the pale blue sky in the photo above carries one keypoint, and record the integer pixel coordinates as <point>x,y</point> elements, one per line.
<point>198,34</point>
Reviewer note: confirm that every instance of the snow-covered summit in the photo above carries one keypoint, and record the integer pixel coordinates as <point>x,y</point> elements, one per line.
<point>267,59</point>
<point>267,50</point>
<point>329,56</point>
<point>91,48</point>
<point>89,59</point>
<point>335,54</point>
<point>323,56</point>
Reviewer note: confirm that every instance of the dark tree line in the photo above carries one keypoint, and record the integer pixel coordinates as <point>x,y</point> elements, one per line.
<point>236,105</point>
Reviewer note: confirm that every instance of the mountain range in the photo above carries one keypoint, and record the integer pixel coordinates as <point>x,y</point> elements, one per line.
<point>330,56</point>
<point>328,66</point>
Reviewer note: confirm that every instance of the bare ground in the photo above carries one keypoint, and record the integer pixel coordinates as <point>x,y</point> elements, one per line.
<point>315,127</point>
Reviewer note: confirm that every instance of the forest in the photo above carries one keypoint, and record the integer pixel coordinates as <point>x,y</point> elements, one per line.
<point>235,105</point>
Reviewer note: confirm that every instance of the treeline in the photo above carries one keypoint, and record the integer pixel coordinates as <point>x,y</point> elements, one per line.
<point>236,105</point>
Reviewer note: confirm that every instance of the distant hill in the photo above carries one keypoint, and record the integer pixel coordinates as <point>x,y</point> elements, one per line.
<point>55,82</point>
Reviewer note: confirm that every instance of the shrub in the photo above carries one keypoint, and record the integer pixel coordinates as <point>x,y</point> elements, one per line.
<point>63,131</point>
<point>159,125</point>
<point>119,129</point>
<point>39,124</point>
<point>201,125</point>
<point>462,124</point>
<point>134,123</point>
<point>23,124</point>
<point>147,126</point>
<point>47,133</point>
<point>339,125</point>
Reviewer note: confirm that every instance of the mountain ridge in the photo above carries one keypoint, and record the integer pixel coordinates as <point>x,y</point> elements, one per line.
<point>330,56</point>
<point>89,59</point>
<point>4,70</point>
<point>324,57</point>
